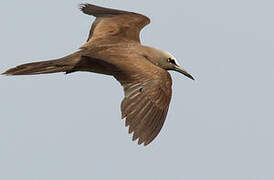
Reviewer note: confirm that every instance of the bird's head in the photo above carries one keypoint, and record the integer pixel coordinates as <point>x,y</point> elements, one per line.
<point>168,62</point>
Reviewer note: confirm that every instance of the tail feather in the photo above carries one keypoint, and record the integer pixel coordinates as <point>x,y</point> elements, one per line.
<point>44,67</point>
<point>37,68</point>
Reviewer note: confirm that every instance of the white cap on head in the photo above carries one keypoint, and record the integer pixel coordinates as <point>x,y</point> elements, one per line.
<point>172,57</point>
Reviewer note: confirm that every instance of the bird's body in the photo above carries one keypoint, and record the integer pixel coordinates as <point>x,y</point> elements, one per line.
<point>114,48</point>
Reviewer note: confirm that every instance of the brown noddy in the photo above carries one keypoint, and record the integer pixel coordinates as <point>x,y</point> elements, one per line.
<point>114,48</point>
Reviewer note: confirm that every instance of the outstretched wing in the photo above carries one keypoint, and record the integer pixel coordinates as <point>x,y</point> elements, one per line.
<point>147,91</point>
<point>114,25</point>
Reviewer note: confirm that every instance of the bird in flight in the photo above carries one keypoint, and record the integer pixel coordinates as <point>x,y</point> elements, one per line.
<point>114,48</point>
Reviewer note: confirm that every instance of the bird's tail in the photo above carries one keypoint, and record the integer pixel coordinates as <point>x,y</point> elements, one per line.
<point>65,64</point>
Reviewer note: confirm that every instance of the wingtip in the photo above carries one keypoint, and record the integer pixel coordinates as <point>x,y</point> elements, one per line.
<point>142,142</point>
<point>82,6</point>
<point>99,11</point>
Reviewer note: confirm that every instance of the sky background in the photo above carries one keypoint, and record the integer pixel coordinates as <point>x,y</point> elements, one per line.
<point>220,126</point>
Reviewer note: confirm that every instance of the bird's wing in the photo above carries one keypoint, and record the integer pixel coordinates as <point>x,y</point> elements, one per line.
<point>114,25</point>
<point>147,91</point>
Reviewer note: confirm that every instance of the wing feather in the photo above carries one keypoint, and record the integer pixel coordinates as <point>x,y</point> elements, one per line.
<point>113,25</point>
<point>146,102</point>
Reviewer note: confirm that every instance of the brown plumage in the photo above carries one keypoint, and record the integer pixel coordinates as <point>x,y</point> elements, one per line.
<point>114,48</point>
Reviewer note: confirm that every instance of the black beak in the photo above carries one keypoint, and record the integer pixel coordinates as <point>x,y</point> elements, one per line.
<point>184,72</point>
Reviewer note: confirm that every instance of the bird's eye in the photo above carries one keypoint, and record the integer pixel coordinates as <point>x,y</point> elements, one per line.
<point>171,61</point>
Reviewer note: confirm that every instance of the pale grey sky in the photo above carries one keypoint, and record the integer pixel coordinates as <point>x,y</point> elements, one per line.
<point>68,126</point>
